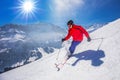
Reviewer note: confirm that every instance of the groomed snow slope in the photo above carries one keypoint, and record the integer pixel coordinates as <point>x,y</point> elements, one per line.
<point>95,60</point>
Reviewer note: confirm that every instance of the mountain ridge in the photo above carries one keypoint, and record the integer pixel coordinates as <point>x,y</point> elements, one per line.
<point>20,43</point>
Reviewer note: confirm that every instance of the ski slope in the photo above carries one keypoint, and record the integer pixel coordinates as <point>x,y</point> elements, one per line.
<point>95,60</point>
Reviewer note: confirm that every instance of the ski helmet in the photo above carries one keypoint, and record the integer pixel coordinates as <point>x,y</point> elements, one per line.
<point>70,22</point>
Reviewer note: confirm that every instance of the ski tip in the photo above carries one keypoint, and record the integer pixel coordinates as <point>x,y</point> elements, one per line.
<point>58,69</point>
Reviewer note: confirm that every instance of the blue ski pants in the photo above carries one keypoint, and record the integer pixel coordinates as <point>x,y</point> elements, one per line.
<point>73,46</point>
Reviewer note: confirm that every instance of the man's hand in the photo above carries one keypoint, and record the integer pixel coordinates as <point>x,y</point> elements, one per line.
<point>88,39</point>
<point>63,40</point>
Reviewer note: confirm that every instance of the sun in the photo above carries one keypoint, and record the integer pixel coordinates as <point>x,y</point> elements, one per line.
<point>27,8</point>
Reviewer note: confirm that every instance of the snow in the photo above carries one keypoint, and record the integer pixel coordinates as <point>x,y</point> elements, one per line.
<point>95,60</point>
<point>3,39</point>
<point>13,38</point>
<point>95,27</point>
<point>3,50</point>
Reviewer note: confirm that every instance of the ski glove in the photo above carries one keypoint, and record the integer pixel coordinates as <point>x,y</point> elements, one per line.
<point>88,39</point>
<point>63,40</point>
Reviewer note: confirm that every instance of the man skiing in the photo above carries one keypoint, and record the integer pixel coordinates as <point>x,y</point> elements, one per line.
<point>76,32</point>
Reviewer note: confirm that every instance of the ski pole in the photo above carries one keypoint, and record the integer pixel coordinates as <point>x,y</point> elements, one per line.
<point>97,38</point>
<point>100,43</point>
<point>59,52</point>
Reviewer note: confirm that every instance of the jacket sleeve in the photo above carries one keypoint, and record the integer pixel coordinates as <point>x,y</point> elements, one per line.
<point>68,35</point>
<point>84,32</point>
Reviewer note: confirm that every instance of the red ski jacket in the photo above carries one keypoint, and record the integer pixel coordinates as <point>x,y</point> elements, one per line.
<point>77,33</point>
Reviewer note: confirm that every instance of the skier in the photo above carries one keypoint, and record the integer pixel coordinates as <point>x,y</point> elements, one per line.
<point>76,32</point>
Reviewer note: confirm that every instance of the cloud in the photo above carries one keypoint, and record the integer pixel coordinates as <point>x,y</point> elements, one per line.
<point>66,7</point>
<point>63,10</point>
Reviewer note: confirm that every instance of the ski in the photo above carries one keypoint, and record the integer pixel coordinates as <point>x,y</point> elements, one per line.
<point>60,65</point>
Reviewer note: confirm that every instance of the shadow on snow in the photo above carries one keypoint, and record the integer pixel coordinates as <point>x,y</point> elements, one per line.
<point>92,55</point>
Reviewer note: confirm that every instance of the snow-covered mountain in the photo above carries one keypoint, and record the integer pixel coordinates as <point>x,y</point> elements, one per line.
<point>21,44</point>
<point>95,60</point>
<point>95,27</point>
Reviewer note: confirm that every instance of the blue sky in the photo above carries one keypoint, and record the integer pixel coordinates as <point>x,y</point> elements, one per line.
<point>58,12</point>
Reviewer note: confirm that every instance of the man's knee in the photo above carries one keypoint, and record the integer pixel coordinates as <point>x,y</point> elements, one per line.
<point>71,50</point>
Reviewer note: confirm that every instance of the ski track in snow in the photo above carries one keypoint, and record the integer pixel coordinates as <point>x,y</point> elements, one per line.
<point>104,48</point>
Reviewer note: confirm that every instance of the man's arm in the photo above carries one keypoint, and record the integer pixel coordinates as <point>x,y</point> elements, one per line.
<point>68,35</point>
<point>86,33</point>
